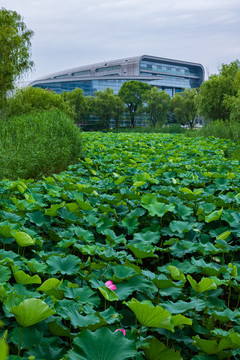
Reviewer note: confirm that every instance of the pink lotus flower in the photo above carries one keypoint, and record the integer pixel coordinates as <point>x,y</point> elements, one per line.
<point>109,284</point>
<point>123,331</point>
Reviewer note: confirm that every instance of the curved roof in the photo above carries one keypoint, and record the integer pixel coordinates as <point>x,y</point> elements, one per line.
<point>125,67</point>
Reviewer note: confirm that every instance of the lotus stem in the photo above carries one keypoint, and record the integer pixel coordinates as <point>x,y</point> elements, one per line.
<point>20,341</point>
<point>229,295</point>
<point>140,333</point>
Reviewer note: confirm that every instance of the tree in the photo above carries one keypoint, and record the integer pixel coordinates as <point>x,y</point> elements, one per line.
<point>106,106</point>
<point>29,100</point>
<point>132,93</point>
<point>213,94</point>
<point>184,106</point>
<point>78,103</point>
<point>233,104</point>
<point>15,51</point>
<point>158,104</point>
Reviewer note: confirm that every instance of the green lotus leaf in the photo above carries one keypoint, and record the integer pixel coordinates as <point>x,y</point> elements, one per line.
<point>205,284</point>
<point>158,351</point>
<point>235,338</point>
<point>47,350</point>
<point>150,316</point>
<point>70,310</point>
<point>135,283</point>
<point>155,207</point>
<point>212,346</point>
<point>30,336</point>
<point>23,239</point>
<point>22,278</point>
<point>31,311</point>
<point>57,328</point>
<point>147,237</point>
<point>181,307</point>
<point>5,274</point>
<point>176,274</point>
<point>184,211</point>
<point>73,207</point>
<point>226,315</point>
<point>107,293</point>
<point>38,218</point>
<point>224,235</point>
<point>180,226</point>
<point>36,266</point>
<point>84,295</point>
<point>143,252</point>
<point>205,357</point>
<point>3,350</point>
<point>163,282</point>
<point>6,229</point>
<point>84,205</point>
<point>49,284</point>
<point>122,272</point>
<point>69,264</point>
<point>84,234</point>
<point>52,211</point>
<point>131,223</point>
<point>215,215</point>
<point>181,320</point>
<point>103,344</point>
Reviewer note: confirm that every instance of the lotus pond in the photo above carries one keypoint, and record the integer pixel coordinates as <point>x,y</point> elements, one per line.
<point>131,254</point>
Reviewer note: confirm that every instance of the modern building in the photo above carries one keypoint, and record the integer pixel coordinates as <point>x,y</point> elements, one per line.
<point>170,75</point>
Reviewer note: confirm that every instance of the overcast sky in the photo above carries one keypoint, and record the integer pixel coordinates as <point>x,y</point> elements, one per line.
<point>71,33</point>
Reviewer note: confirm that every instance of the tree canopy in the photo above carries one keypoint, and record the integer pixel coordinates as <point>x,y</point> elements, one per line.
<point>15,50</point>
<point>158,103</point>
<point>78,103</point>
<point>29,100</point>
<point>132,93</point>
<point>216,94</point>
<point>106,106</point>
<point>185,106</point>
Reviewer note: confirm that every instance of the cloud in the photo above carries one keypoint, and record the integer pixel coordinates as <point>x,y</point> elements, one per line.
<point>73,33</point>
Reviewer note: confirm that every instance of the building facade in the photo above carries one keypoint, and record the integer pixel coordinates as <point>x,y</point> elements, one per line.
<point>170,75</point>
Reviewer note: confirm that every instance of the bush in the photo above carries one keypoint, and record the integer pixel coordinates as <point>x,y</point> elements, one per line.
<point>30,100</point>
<point>172,129</point>
<point>221,129</point>
<point>38,144</point>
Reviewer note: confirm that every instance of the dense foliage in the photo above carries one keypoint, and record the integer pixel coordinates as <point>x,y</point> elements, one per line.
<point>218,94</point>
<point>30,100</point>
<point>15,56</point>
<point>157,216</point>
<point>38,144</point>
<point>132,93</point>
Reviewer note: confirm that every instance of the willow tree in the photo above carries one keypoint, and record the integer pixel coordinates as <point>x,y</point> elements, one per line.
<point>15,55</point>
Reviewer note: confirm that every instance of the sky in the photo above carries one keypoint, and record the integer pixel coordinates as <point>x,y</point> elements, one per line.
<point>71,33</point>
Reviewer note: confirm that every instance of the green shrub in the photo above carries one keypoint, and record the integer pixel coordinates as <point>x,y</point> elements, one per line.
<point>219,129</point>
<point>222,129</point>
<point>38,144</point>
<point>172,129</point>
<point>30,100</point>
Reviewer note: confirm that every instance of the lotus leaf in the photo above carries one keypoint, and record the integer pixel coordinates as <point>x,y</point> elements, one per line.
<point>22,278</point>
<point>49,284</point>
<point>150,316</point>
<point>107,293</point>
<point>5,274</point>
<point>102,345</point>
<point>205,284</point>
<point>67,265</point>
<point>23,239</point>
<point>212,346</point>
<point>31,311</point>
<point>158,351</point>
